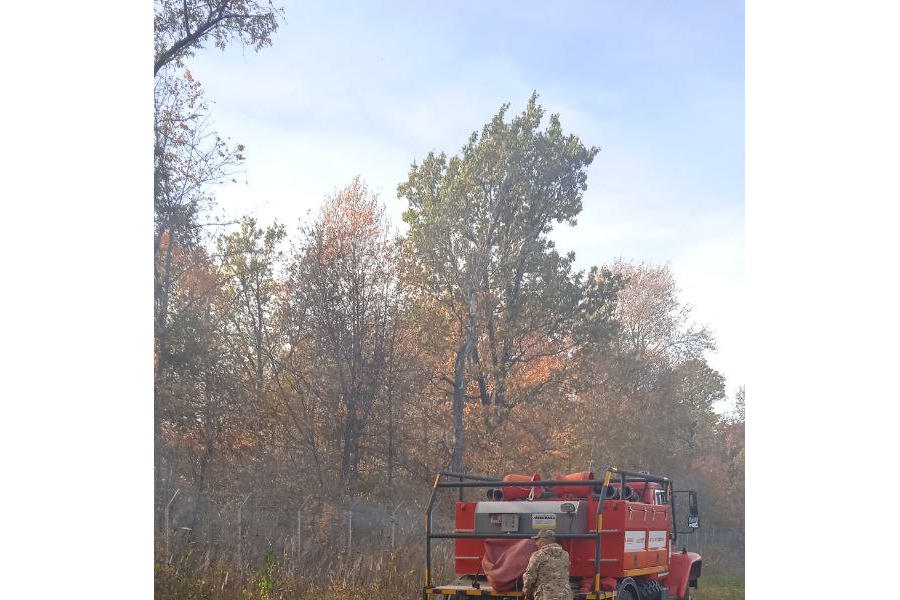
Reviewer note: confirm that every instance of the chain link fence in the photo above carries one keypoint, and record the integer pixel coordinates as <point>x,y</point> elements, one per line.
<point>321,536</point>
<point>244,530</point>
<point>722,548</point>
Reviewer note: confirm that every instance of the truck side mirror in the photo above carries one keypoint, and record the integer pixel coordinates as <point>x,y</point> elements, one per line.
<point>693,516</point>
<point>694,511</point>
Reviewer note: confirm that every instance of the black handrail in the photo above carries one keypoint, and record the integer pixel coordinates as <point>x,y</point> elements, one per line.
<point>501,483</point>
<point>513,536</point>
<point>466,476</point>
<point>543,483</point>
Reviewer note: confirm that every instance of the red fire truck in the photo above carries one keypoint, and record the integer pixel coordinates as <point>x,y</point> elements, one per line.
<point>619,530</point>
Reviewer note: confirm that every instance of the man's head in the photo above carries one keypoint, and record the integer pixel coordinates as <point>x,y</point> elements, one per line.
<point>544,537</point>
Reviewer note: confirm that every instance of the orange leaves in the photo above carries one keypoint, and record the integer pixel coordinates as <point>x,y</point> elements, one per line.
<point>351,226</point>
<point>538,371</point>
<point>189,440</point>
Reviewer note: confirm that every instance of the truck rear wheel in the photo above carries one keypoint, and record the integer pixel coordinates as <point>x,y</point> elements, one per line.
<point>627,590</point>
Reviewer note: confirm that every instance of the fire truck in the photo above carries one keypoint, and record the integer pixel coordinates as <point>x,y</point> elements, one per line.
<point>619,530</point>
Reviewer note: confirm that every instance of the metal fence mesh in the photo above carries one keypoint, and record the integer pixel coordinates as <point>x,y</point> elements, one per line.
<point>311,535</point>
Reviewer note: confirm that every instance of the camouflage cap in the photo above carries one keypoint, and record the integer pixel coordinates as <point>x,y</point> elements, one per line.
<point>545,534</point>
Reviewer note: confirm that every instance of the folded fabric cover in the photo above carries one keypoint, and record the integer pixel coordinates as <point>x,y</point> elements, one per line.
<point>505,560</point>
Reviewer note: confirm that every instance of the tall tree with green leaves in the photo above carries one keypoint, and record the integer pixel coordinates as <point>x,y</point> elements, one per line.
<point>478,244</point>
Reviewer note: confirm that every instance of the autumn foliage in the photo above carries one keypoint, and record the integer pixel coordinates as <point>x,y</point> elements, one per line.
<point>319,376</point>
<point>302,372</point>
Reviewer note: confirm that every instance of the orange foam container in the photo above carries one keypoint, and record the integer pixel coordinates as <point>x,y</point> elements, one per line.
<point>580,491</point>
<point>514,492</point>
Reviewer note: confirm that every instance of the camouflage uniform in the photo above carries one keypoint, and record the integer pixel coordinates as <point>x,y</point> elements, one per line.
<point>547,574</point>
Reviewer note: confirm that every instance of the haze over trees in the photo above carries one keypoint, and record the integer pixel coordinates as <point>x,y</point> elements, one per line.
<point>301,371</point>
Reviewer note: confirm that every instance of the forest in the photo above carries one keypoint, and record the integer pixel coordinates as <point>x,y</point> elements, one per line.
<point>311,379</point>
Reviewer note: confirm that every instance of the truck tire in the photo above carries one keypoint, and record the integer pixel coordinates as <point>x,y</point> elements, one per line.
<point>649,589</point>
<point>627,590</point>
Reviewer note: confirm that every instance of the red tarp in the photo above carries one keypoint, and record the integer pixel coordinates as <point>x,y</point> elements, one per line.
<point>505,560</point>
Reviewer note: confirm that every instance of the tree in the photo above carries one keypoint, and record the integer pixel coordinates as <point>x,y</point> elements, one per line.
<point>650,391</point>
<point>344,302</point>
<point>739,406</point>
<point>698,387</point>
<point>188,157</point>
<point>199,403</point>
<point>478,245</point>
<point>655,324</point>
<point>731,435</point>
<point>249,258</point>
<point>182,26</point>
<point>188,161</point>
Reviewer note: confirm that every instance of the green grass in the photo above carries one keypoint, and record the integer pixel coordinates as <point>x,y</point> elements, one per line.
<point>720,587</point>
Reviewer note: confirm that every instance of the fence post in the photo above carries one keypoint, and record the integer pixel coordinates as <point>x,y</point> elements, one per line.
<point>299,526</point>
<point>240,532</point>
<point>394,523</point>
<point>168,554</point>
<point>350,526</point>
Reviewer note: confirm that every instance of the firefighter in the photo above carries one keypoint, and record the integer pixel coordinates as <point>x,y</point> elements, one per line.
<point>547,574</point>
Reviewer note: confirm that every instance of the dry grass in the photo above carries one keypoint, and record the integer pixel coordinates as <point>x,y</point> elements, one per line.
<point>337,576</point>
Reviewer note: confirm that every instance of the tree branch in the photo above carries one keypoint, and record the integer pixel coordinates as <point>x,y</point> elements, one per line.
<point>192,38</point>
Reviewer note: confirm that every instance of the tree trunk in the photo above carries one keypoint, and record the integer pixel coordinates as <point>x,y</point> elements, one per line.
<point>259,342</point>
<point>163,276</point>
<point>350,453</point>
<point>390,448</point>
<point>459,388</point>
<point>482,383</point>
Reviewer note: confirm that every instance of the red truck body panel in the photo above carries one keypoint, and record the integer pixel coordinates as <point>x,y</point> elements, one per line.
<point>637,538</point>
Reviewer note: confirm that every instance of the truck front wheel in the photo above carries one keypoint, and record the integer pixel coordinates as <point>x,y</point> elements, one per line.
<point>649,589</point>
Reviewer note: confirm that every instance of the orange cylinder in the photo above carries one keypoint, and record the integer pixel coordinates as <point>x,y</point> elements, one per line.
<point>513,492</point>
<point>581,491</point>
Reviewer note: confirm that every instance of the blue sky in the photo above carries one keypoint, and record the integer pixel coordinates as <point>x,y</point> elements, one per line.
<point>359,88</point>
